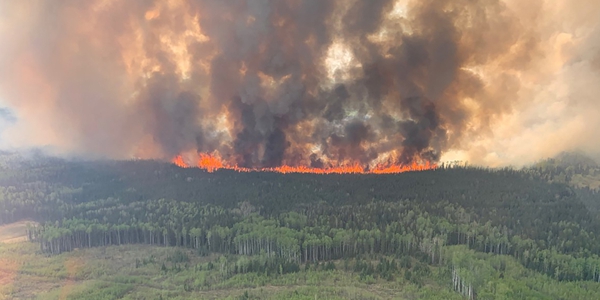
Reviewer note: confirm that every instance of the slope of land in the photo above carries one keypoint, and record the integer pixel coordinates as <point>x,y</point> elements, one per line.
<point>150,226</point>
<point>574,168</point>
<point>578,171</point>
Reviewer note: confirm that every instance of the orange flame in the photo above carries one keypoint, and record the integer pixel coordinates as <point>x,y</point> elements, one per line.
<point>212,162</point>
<point>209,162</point>
<point>178,161</point>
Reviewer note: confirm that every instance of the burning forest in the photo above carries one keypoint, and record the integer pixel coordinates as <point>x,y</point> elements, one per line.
<point>379,86</point>
<point>212,163</point>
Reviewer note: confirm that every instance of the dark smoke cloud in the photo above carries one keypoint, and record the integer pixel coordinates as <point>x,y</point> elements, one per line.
<point>251,79</point>
<point>172,114</point>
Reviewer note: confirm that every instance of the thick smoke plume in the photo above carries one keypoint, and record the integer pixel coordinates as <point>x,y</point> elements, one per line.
<point>265,83</point>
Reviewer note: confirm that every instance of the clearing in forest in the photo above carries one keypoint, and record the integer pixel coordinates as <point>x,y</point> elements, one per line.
<point>14,232</point>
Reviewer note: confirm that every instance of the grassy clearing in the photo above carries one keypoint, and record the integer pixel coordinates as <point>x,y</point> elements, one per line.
<point>591,181</point>
<point>14,232</point>
<point>135,272</point>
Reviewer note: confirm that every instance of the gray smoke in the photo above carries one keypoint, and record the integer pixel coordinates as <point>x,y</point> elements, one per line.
<point>256,80</point>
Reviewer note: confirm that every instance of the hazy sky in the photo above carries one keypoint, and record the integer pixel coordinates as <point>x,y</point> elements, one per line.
<point>493,82</point>
<point>559,107</point>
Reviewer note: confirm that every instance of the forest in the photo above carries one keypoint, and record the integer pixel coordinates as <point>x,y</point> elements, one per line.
<point>378,226</point>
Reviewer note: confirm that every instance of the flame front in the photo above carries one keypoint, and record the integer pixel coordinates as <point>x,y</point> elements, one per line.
<point>210,163</point>
<point>178,161</point>
<point>213,162</point>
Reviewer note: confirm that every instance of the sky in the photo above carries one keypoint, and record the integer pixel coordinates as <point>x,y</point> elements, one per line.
<point>266,83</point>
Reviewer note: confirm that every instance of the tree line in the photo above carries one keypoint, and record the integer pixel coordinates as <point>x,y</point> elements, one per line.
<point>295,219</point>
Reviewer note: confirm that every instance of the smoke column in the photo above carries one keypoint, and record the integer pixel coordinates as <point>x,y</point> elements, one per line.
<point>265,83</point>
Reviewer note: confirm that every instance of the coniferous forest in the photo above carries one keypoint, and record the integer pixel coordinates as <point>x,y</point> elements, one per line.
<point>261,222</point>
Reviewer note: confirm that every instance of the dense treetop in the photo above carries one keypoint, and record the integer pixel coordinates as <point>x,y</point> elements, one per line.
<point>536,215</point>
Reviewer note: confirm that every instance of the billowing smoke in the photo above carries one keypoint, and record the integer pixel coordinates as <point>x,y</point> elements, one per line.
<point>314,83</point>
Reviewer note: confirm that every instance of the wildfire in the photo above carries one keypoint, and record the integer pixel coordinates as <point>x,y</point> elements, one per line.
<point>212,162</point>
<point>178,161</point>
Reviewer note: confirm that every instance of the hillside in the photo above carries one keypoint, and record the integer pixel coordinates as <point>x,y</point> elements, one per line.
<point>441,220</point>
<point>578,171</point>
<point>574,168</point>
